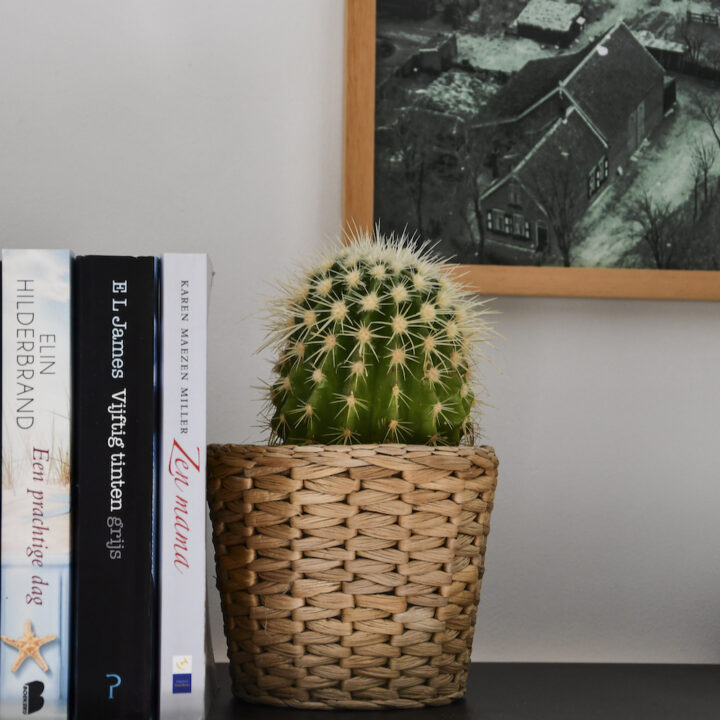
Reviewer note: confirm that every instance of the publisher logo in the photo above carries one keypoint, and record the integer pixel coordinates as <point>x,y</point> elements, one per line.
<point>32,697</point>
<point>182,664</point>
<point>115,682</point>
<point>182,674</point>
<point>182,684</point>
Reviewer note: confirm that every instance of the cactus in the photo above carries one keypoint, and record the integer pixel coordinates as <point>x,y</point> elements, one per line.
<point>376,344</point>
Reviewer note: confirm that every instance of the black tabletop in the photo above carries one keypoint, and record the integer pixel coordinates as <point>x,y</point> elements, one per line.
<point>534,691</point>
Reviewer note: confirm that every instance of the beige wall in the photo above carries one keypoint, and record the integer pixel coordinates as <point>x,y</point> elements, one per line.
<point>175,125</point>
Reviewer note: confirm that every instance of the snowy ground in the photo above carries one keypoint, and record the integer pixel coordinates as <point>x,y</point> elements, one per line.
<point>662,167</point>
<point>507,53</point>
<point>494,50</point>
<point>628,9</point>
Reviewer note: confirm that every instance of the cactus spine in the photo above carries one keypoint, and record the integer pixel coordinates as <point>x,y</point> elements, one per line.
<point>376,344</point>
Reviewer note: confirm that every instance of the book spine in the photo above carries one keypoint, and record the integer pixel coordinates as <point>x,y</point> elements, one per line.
<point>114,435</point>
<point>35,535</point>
<point>182,486</point>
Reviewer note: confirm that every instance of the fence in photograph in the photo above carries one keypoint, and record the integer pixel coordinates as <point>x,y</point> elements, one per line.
<point>680,64</point>
<point>703,72</point>
<point>703,18</point>
<point>677,60</point>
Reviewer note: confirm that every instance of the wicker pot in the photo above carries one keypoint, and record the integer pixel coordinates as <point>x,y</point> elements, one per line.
<point>350,575</point>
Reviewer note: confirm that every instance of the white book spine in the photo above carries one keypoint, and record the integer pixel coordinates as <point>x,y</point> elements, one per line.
<point>182,486</point>
<point>35,534</point>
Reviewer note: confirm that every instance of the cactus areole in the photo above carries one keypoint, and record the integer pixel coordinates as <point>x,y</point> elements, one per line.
<point>377,344</point>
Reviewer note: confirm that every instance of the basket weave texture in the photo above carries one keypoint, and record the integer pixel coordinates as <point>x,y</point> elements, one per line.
<point>350,575</point>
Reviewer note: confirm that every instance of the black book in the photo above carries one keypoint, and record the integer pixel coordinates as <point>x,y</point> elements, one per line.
<point>114,425</point>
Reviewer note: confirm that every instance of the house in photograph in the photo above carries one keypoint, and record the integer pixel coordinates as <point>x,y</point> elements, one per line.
<point>550,21</point>
<point>399,58</point>
<point>438,54</point>
<point>544,195</point>
<point>605,102</point>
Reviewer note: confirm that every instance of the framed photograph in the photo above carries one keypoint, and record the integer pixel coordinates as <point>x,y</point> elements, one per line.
<point>548,147</point>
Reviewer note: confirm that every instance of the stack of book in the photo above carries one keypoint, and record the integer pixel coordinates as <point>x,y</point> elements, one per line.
<point>102,535</point>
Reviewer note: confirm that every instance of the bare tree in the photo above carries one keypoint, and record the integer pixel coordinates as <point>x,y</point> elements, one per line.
<point>557,189</point>
<point>704,156</point>
<point>477,150</point>
<point>658,227</point>
<point>695,36</point>
<point>712,57</point>
<point>709,109</point>
<point>413,144</point>
<point>473,151</point>
<point>484,150</point>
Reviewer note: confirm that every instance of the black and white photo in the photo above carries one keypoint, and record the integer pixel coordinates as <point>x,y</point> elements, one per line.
<point>551,133</point>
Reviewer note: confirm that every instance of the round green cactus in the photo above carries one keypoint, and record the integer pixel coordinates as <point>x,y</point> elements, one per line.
<point>376,344</point>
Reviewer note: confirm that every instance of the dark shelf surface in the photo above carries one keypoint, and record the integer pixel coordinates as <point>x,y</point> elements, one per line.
<point>516,691</point>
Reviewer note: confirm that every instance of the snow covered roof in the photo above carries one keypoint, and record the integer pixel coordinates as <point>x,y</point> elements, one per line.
<point>457,93</point>
<point>649,40</point>
<point>550,15</point>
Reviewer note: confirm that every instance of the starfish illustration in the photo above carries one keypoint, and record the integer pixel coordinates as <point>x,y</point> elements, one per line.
<point>28,646</point>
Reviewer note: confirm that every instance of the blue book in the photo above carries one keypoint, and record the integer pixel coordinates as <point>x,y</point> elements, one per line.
<point>35,531</point>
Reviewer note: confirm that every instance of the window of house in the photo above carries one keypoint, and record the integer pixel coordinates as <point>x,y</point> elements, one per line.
<point>514,194</point>
<point>508,224</point>
<point>606,168</point>
<point>591,183</point>
<point>498,220</point>
<point>527,230</point>
<point>518,225</point>
<point>490,220</point>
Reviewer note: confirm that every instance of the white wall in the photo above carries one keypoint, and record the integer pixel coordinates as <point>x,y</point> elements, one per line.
<point>140,127</point>
<point>605,539</point>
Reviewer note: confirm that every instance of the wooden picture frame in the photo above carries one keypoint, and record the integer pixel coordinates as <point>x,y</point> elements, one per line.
<point>358,169</point>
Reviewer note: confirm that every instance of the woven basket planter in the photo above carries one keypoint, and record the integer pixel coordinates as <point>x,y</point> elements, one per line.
<point>350,575</point>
